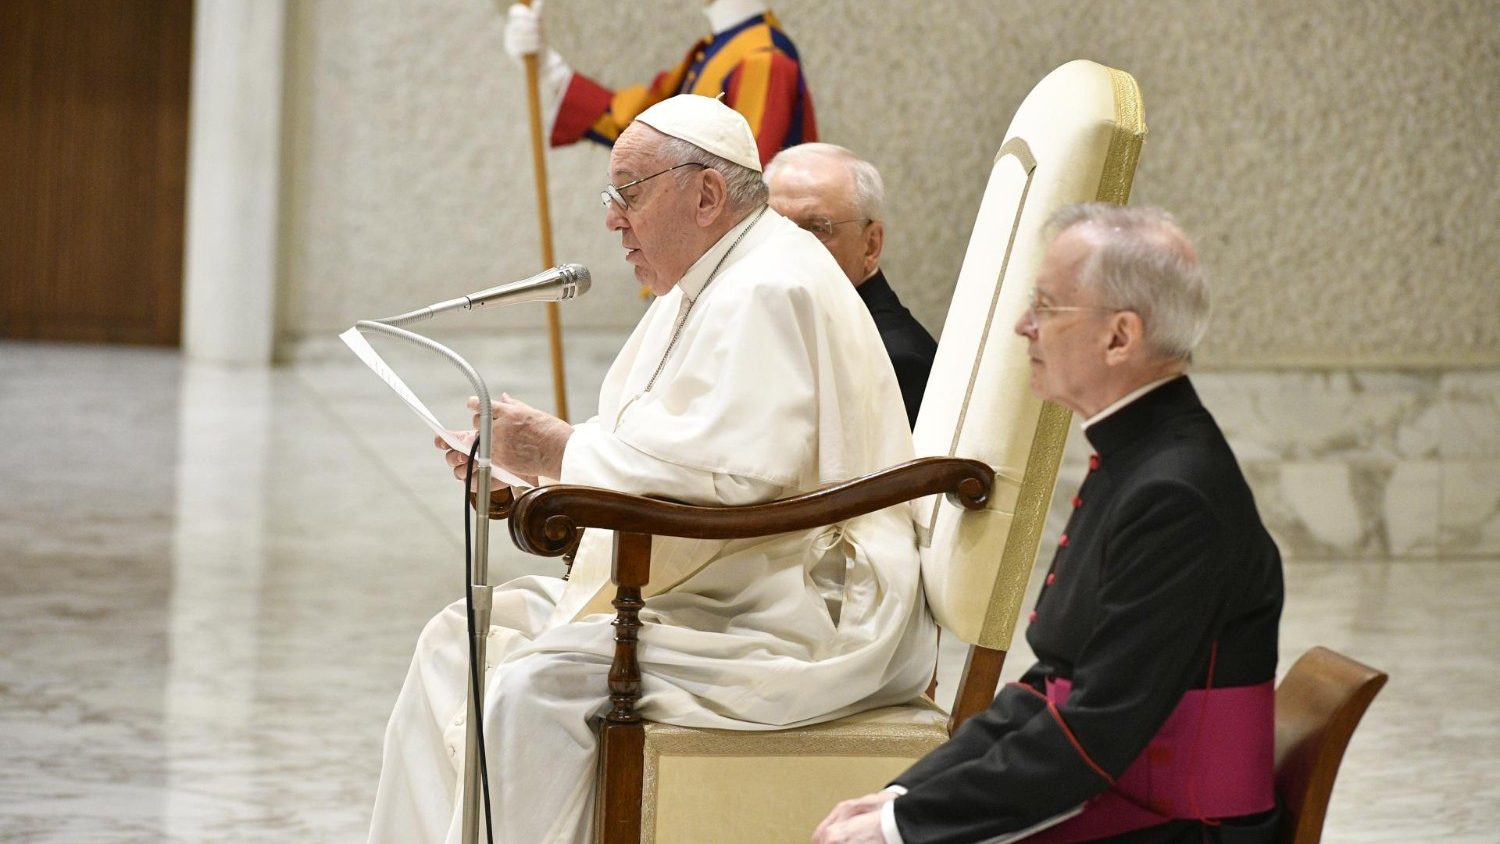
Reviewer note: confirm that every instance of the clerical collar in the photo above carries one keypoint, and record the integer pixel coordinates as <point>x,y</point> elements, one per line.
<point>872,287</point>
<point>1126,399</point>
<point>1146,413</point>
<point>725,14</point>
<point>697,277</point>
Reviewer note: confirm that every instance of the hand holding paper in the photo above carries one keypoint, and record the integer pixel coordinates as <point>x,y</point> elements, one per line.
<point>457,459</point>
<point>525,440</point>
<point>454,440</point>
<point>528,441</point>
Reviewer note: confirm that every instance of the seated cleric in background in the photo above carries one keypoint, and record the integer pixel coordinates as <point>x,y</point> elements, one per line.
<point>754,376</point>
<point>832,193</point>
<point>1151,702</point>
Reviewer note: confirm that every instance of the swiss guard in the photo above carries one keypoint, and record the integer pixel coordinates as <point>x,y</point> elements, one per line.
<point>747,58</point>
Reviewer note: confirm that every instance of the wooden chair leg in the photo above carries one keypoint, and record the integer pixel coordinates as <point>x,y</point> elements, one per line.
<point>977,689</point>
<point>622,739</point>
<point>622,749</point>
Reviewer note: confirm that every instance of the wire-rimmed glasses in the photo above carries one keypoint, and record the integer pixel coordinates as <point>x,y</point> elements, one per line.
<point>614,194</point>
<point>1035,310</point>
<point>822,227</point>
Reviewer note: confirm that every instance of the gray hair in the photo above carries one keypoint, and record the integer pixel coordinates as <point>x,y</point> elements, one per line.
<point>869,188</point>
<point>1144,262</point>
<point>746,188</point>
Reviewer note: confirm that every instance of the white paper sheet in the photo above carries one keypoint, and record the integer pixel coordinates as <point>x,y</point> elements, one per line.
<point>365,352</point>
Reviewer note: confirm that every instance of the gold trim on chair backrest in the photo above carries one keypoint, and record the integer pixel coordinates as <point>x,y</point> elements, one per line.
<point>1076,138</point>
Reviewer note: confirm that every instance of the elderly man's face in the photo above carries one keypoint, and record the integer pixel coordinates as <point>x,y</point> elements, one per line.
<point>657,230</point>
<point>1067,346</point>
<point>823,193</point>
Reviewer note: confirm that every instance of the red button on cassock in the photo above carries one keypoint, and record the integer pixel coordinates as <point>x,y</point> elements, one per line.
<point>1077,502</point>
<point>1093,462</point>
<point>1031,618</point>
<point>1062,541</point>
<point>1051,577</point>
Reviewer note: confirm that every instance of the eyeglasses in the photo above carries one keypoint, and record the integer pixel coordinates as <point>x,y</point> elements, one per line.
<point>617,195</point>
<point>1035,310</point>
<point>822,229</point>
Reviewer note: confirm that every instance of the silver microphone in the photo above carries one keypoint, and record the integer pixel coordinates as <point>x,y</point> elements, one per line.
<point>558,284</point>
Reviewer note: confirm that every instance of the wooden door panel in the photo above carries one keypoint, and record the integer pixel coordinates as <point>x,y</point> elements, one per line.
<point>93,164</point>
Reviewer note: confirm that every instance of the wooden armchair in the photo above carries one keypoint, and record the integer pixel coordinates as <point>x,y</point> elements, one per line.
<point>1318,704</point>
<point>988,458</point>
<point>548,520</point>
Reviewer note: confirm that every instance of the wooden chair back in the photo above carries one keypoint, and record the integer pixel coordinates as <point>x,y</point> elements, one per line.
<point>1318,704</point>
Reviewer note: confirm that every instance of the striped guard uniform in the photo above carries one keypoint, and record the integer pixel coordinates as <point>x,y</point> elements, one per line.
<point>753,63</point>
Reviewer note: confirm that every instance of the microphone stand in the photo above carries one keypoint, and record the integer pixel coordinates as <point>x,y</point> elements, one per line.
<point>480,590</point>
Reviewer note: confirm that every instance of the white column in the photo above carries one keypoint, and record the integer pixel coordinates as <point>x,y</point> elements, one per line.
<point>234,176</point>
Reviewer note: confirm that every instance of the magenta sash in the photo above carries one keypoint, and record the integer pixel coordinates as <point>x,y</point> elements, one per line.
<point>1213,758</point>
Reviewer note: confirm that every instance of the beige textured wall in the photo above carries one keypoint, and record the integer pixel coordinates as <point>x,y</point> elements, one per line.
<point>1337,160</point>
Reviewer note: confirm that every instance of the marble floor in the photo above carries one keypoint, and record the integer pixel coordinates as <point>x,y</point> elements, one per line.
<point>211,579</point>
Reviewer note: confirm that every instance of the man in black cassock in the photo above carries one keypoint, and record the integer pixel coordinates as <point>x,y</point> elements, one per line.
<point>1148,716</point>
<point>836,195</point>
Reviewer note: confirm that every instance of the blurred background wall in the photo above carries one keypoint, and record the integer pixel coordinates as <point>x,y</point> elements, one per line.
<point>343,159</point>
<point>1336,159</point>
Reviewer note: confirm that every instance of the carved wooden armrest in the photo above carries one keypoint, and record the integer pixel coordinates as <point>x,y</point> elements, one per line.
<point>500,502</point>
<point>547,520</point>
<point>550,520</point>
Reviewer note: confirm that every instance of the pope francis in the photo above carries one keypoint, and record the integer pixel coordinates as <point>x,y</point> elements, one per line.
<point>756,374</point>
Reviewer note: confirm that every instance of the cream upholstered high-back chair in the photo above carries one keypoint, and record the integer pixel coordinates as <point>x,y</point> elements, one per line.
<point>988,458</point>
<point>1075,138</point>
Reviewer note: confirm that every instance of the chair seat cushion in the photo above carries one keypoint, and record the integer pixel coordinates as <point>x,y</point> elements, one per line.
<point>732,786</point>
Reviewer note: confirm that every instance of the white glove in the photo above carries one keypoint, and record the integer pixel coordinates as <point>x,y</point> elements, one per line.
<point>523,37</point>
<point>523,30</point>
<point>553,75</point>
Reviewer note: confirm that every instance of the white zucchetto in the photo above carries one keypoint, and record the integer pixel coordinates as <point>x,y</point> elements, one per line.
<point>708,124</point>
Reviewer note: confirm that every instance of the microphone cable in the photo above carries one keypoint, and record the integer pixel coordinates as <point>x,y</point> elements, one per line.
<point>474,685</point>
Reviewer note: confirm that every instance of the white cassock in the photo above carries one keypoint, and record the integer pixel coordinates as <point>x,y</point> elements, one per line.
<point>778,384</point>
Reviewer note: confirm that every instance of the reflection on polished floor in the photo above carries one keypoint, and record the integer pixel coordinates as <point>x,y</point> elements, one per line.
<point>213,577</point>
